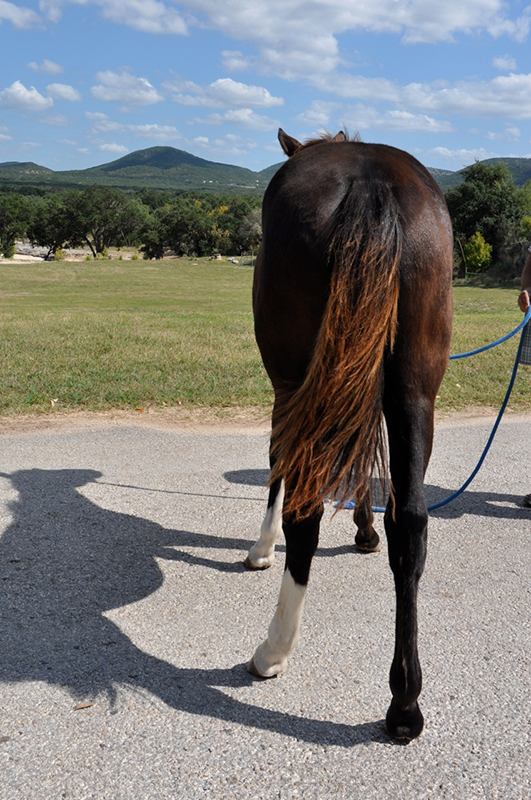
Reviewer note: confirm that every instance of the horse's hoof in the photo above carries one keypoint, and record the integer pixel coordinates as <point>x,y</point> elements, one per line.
<point>368,544</point>
<point>366,549</point>
<point>248,564</point>
<point>253,669</point>
<point>404,724</point>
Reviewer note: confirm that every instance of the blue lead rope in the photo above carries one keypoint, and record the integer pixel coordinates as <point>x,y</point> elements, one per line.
<point>498,341</point>
<point>520,327</point>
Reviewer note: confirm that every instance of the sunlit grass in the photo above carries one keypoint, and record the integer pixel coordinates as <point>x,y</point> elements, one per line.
<point>127,335</point>
<point>481,316</point>
<point>133,334</point>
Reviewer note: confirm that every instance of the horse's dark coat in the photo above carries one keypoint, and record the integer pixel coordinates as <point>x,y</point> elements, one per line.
<point>352,305</point>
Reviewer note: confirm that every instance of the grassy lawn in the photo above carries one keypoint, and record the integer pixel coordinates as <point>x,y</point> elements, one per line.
<point>480,317</point>
<point>136,334</point>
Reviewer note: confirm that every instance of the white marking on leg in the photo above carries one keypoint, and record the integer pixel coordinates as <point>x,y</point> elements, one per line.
<point>262,554</point>
<point>271,657</point>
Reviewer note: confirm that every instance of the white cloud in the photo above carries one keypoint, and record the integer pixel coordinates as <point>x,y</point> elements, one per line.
<point>19,98</point>
<point>267,20</point>
<point>148,16</point>
<point>57,121</point>
<point>156,133</point>
<point>234,60</point>
<point>222,93</point>
<point>362,117</point>
<point>506,96</point>
<point>231,145</point>
<point>5,136</point>
<point>95,115</point>
<point>462,155</point>
<point>62,91</point>
<point>360,87</point>
<point>511,134</point>
<point>126,89</point>
<point>112,147</point>
<point>46,66</point>
<point>318,114</point>
<point>106,126</point>
<point>300,39</point>
<point>242,117</point>
<point>404,120</point>
<point>504,63</point>
<point>20,17</point>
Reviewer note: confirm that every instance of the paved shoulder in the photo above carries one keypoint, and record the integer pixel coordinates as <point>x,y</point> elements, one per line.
<point>127,618</point>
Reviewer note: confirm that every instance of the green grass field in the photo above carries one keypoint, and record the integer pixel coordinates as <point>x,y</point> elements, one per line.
<point>135,334</point>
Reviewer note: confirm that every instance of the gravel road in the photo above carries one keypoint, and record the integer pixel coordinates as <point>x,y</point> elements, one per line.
<point>127,618</point>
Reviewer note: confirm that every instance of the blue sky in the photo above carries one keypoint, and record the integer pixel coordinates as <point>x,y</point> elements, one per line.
<point>83,82</point>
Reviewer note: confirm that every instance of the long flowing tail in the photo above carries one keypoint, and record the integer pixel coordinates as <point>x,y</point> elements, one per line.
<point>328,436</point>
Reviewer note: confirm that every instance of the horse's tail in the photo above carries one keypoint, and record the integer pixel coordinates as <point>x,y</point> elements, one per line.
<point>328,434</point>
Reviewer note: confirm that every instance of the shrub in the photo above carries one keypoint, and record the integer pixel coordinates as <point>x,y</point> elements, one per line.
<point>478,253</point>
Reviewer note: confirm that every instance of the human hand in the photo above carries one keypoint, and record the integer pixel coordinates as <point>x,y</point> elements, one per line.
<point>523,300</point>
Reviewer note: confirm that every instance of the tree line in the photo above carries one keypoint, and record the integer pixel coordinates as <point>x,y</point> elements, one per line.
<point>491,219</point>
<point>153,221</point>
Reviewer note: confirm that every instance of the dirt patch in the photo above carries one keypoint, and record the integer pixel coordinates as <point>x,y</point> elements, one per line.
<point>226,420</point>
<point>212,421</point>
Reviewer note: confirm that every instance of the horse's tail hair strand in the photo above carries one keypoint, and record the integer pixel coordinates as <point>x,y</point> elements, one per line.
<point>328,436</point>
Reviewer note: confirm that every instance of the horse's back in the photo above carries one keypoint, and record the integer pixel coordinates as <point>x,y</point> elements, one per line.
<point>312,184</point>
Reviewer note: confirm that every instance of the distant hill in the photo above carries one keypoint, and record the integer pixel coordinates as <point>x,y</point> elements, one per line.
<point>154,168</point>
<point>177,170</point>
<point>520,168</point>
<point>445,177</point>
<point>268,172</point>
<point>25,171</point>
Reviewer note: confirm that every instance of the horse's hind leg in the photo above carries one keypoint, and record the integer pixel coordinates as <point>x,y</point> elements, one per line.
<point>301,542</point>
<point>262,554</point>
<point>410,430</point>
<point>366,539</point>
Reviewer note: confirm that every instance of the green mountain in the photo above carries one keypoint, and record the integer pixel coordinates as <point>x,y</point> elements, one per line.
<point>268,172</point>
<point>154,168</point>
<point>177,170</point>
<point>520,168</point>
<point>26,172</point>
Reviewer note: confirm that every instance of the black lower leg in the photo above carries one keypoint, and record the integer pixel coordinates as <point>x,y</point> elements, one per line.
<point>407,554</point>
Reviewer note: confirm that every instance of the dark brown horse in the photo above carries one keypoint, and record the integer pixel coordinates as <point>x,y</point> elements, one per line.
<point>352,304</point>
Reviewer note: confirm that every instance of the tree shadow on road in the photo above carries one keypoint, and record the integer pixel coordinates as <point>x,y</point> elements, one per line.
<point>65,561</point>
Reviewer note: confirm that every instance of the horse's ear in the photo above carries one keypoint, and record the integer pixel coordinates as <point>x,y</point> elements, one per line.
<point>340,136</point>
<point>288,143</point>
